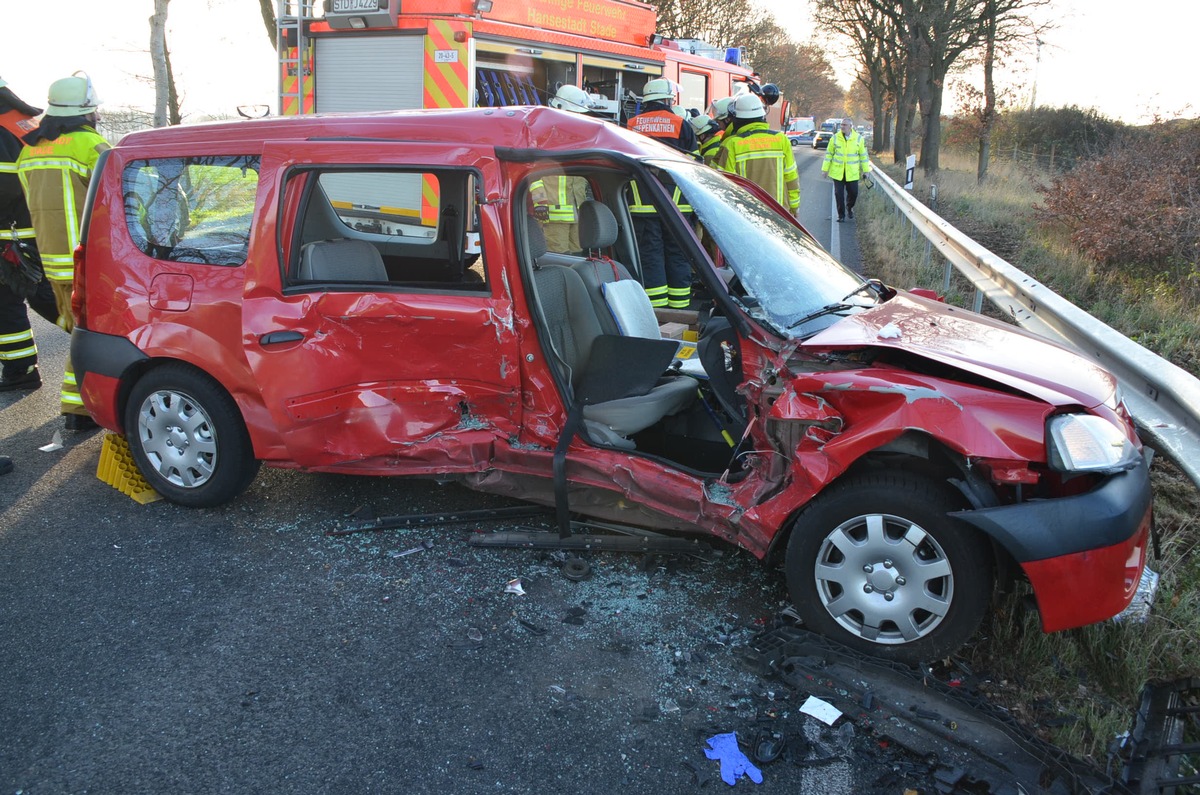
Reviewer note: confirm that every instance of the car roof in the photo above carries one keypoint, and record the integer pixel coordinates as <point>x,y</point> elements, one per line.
<point>537,128</point>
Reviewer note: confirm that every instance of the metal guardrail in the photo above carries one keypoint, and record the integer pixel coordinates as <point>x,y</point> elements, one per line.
<point>1164,399</point>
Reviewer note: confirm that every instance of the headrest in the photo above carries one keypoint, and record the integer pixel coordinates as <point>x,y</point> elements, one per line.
<point>537,239</point>
<point>597,225</point>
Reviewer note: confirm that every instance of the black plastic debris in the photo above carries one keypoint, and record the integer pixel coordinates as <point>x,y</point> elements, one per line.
<point>1164,744</point>
<point>575,616</point>
<point>915,717</point>
<point>533,628</point>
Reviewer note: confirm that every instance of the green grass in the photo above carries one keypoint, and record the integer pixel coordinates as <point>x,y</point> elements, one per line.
<point>1078,688</point>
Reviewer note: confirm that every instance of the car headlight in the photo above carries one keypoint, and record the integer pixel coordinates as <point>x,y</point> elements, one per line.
<point>1086,443</point>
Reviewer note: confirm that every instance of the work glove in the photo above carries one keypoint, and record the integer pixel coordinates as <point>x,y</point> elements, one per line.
<point>733,762</point>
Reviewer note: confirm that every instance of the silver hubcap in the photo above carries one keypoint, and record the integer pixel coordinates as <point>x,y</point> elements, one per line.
<point>884,579</point>
<point>178,438</point>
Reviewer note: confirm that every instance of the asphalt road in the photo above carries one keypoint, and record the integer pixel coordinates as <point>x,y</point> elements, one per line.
<point>159,649</point>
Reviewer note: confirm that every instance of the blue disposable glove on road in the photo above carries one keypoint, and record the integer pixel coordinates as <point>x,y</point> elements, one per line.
<point>733,762</point>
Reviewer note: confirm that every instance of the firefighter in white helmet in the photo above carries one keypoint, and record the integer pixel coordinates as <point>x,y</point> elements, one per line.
<point>18,352</point>
<point>752,150</point>
<point>55,168</point>
<point>666,272</point>
<point>556,198</point>
<point>708,137</point>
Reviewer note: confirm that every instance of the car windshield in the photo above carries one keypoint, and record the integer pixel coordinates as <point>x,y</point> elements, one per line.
<point>784,277</point>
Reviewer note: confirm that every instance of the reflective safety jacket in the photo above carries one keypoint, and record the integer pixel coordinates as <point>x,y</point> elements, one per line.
<point>765,158</point>
<point>562,196</point>
<point>846,158</point>
<point>708,149</point>
<point>55,175</point>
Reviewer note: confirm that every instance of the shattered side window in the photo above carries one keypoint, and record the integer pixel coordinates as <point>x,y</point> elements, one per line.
<point>191,209</point>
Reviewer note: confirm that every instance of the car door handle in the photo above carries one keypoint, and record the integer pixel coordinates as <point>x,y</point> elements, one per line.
<point>278,337</point>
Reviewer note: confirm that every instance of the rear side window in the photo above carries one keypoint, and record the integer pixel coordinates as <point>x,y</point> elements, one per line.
<point>191,209</point>
<point>400,229</point>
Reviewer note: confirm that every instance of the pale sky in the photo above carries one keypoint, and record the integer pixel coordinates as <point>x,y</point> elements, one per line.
<point>1105,54</point>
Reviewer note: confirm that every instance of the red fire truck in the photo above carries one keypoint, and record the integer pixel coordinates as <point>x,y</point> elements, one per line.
<point>401,54</point>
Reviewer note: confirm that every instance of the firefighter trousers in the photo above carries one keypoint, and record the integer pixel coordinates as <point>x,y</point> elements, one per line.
<point>17,349</point>
<point>71,401</point>
<point>666,272</point>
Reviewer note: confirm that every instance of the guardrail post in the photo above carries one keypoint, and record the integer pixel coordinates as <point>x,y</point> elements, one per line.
<point>928,242</point>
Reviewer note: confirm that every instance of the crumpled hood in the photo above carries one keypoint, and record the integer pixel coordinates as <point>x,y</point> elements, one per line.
<point>1005,353</point>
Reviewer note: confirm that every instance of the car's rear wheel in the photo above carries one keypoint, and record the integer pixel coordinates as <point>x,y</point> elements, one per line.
<point>188,437</point>
<point>876,563</point>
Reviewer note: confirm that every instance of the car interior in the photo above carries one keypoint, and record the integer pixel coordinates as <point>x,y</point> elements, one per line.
<point>673,399</point>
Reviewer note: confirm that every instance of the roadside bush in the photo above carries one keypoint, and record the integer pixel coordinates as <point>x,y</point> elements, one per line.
<point>1073,133</point>
<point>1137,204</point>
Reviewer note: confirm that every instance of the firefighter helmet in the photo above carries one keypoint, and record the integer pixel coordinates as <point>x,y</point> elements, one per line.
<point>72,96</point>
<point>571,98</point>
<point>703,125</point>
<point>720,108</point>
<point>658,90</point>
<point>748,106</point>
<point>770,94</point>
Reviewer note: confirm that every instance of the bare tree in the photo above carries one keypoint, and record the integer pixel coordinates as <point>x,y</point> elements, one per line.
<point>802,72</point>
<point>166,98</point>
<point>873,39</point>
<point>267,7</point>
<point>725,23</point>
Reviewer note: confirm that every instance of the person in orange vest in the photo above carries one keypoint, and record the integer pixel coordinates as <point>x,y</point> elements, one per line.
<point>55,168</point>
<point>666,272</point>
<point>18,351</point>
<point>846,161</point>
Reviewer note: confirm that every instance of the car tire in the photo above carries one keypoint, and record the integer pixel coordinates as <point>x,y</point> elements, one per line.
<point>188,437</point>
<point>876,563</point>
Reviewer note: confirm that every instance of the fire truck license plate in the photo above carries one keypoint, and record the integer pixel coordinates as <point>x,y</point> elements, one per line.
<point>350,6</point>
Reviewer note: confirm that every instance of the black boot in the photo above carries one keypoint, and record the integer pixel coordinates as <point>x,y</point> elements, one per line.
<point>79,422</point>
<point>29,380</point>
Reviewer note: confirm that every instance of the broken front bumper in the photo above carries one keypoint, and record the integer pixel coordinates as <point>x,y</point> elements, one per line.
<point>1084,554</point>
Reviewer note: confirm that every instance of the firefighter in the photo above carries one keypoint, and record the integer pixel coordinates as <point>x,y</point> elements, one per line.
<point>18,352</point>
<point>666,272</point>
<point>55,168</point>
<point>556,199</point>
<point>846,161</point>
<point>708,135</point>
<point>752,150</point>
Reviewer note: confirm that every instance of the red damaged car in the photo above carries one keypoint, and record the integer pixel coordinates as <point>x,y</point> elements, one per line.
<point>375,294</point>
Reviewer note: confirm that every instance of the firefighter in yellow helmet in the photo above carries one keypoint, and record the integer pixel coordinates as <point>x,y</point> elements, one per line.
<point>556,198</point>
<point>18,352</point>
<point>846,161</point>
<point>752,150</point>
<point>55,168</point>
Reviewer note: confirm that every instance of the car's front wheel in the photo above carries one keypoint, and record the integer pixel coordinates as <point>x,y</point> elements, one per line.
<point>876,563</point>
<point>188,437</point>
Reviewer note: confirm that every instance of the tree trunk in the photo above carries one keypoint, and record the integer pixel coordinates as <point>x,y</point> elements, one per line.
<point>158,58</point>
<point>988,119</point>
<point>267,7</point>
<point>931,144</point>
